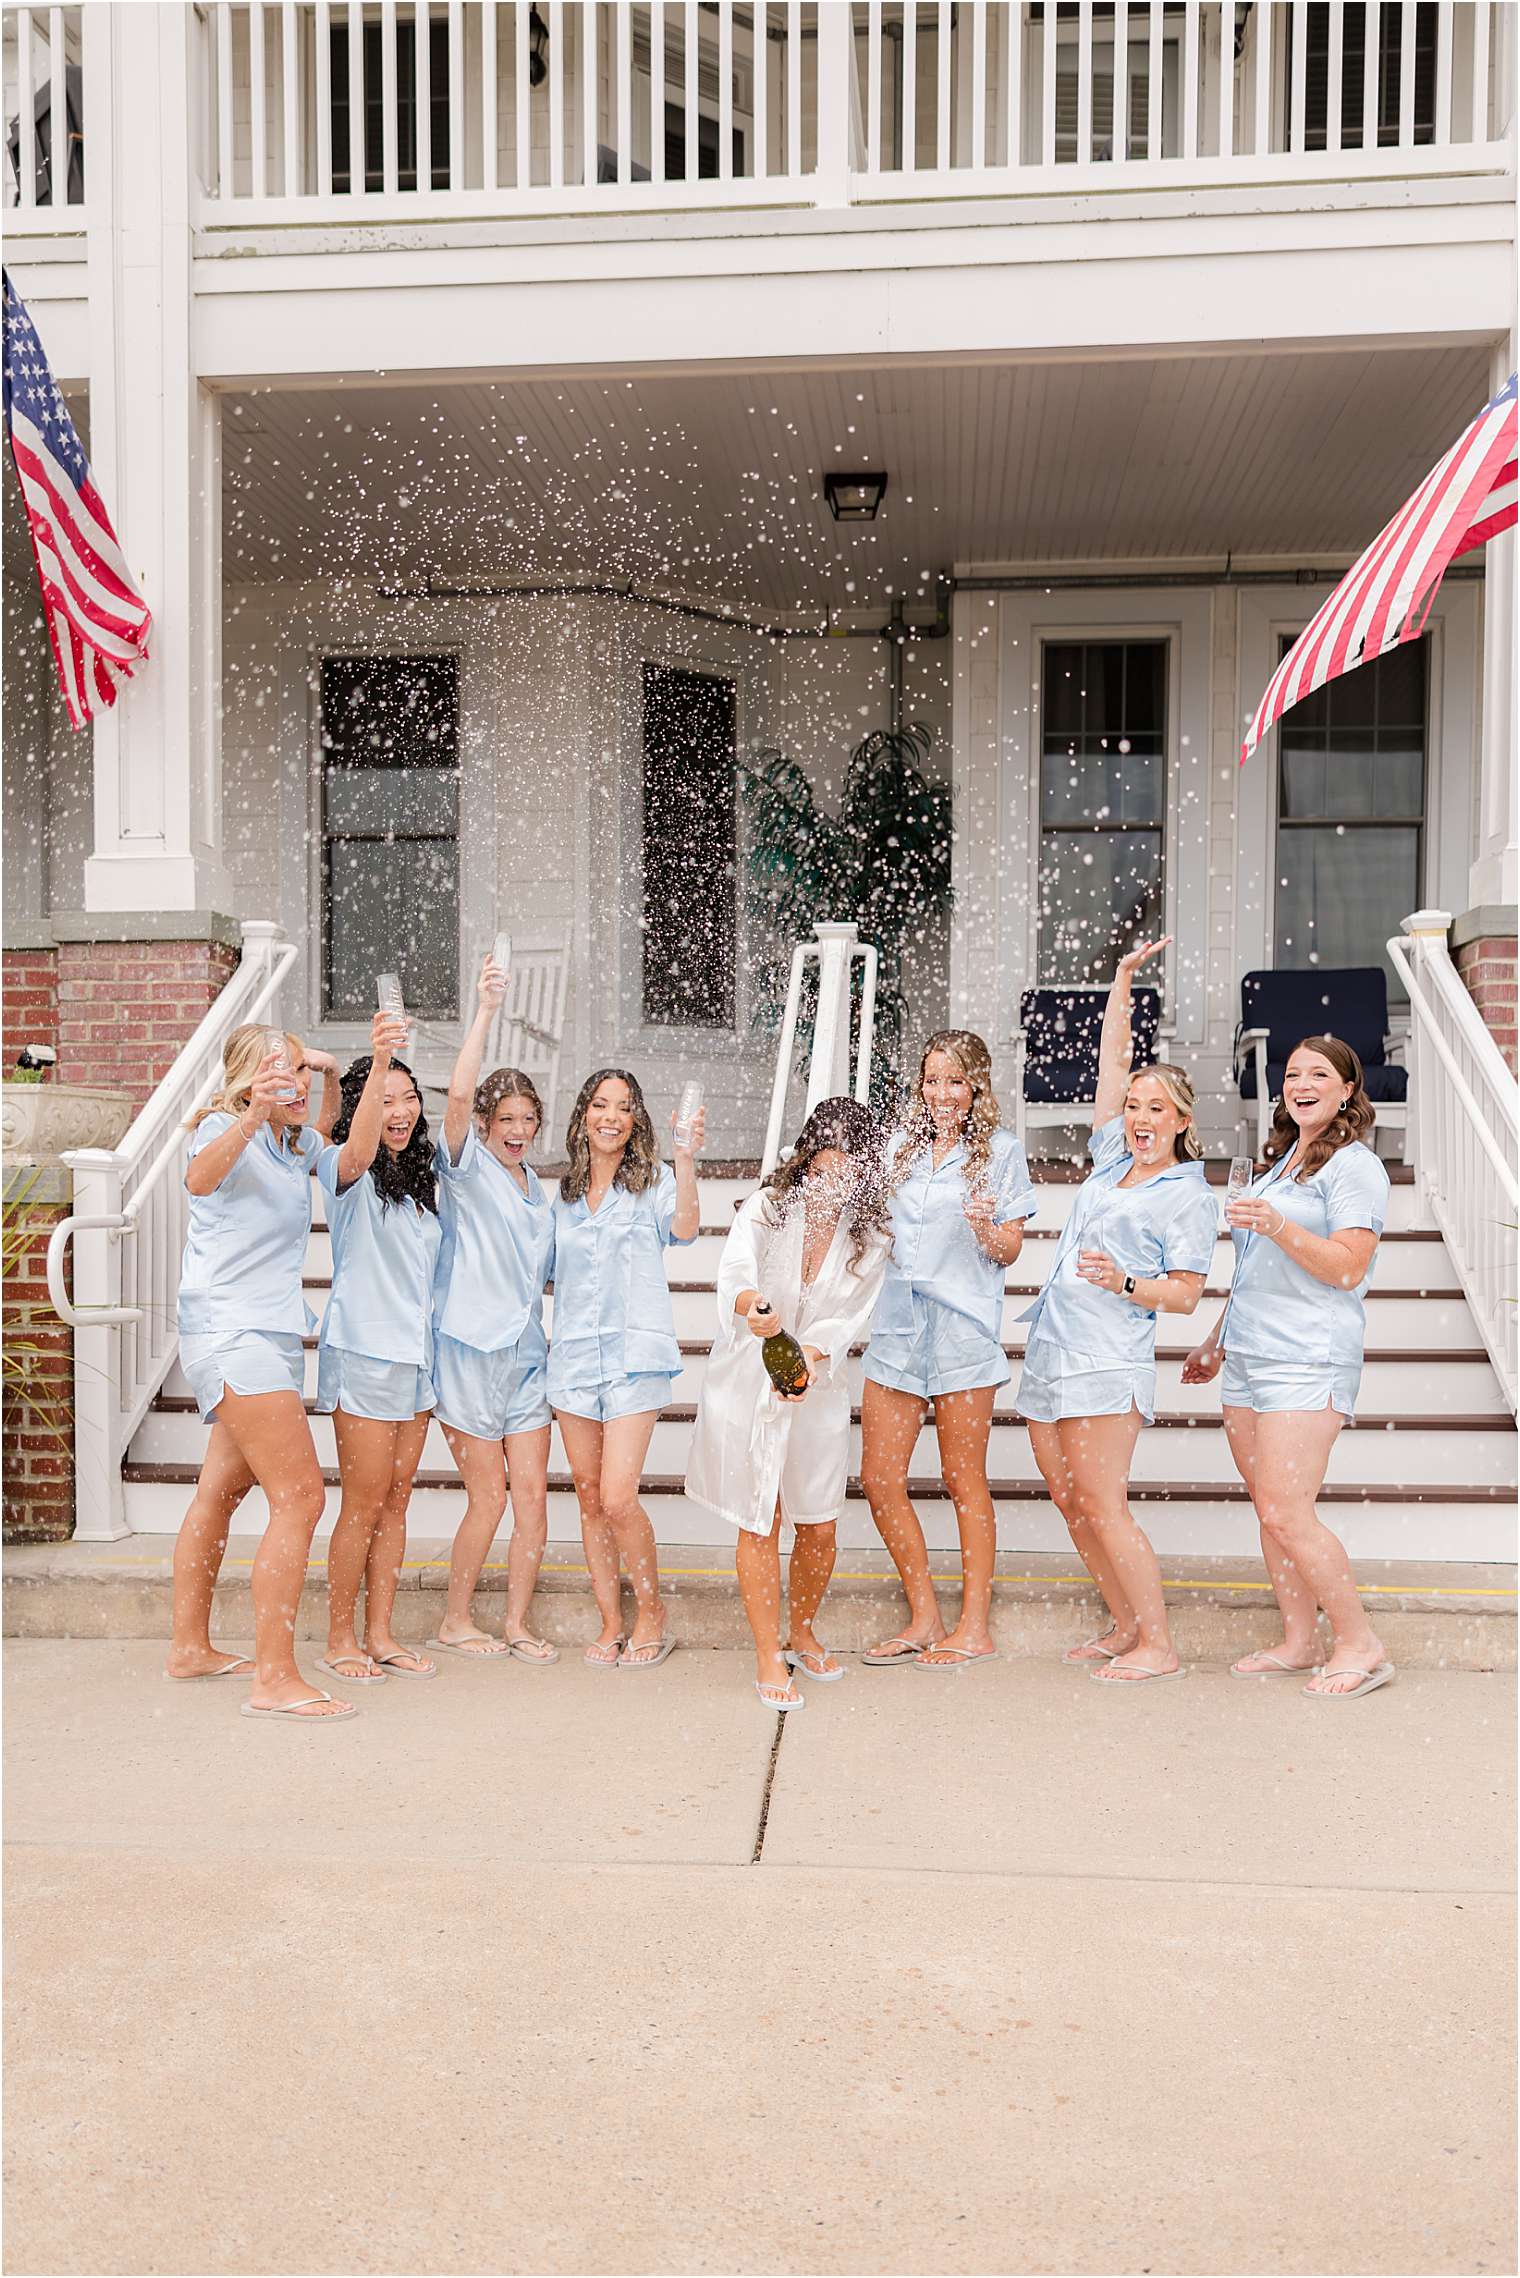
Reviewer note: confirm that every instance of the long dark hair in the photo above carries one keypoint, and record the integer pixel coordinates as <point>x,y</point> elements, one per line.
<point>846,1125</point>
<point>640,1167</point>
<point>409,1176</point>
<point>1353,1122</point>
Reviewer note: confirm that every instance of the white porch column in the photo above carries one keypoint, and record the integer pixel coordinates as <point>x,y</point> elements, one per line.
<point>155,446</point>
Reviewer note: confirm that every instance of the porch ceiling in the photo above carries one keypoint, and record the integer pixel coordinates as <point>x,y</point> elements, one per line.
<point>712,484</point>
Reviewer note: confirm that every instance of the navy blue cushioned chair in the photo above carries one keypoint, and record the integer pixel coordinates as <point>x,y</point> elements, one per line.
<point>1055,1053</point>
<point>1277,1010</point>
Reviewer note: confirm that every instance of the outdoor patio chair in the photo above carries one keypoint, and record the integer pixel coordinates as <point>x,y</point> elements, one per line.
<point>1055,1052</point>
<point>1277,1010</point>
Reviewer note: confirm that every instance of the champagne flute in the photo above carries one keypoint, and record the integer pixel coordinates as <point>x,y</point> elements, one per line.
<point>687,1112</point>
<point>1237,1186</point>
<point>501,954</point>
<point>276,1041</point>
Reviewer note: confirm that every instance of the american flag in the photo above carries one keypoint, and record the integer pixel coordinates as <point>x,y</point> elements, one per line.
<point>97,620</point>
<point>1385,596</point>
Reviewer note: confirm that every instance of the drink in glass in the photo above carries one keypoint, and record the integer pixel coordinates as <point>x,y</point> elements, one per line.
<point>501,954</point>
<point>687,1112</point>
<point>276,1041</point>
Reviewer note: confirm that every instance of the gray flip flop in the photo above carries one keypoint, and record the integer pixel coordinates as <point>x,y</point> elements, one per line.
<point>484,1649</point>
<point>241,1665</point>
<point>1106,1676</point>
<point>518,1648</point>
<point>295,1711</point>
<point>353,1676</point>
<point>879,1658</point>
<point>390,1663</point>
<point>783,1707</point>
<point>799,1661</point>
<point>1383,1674</point>
<point>662,1652</point>
<point>1279,1668</point>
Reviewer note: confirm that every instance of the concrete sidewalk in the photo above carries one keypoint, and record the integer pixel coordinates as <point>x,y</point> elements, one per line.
<point>1025,1978</point>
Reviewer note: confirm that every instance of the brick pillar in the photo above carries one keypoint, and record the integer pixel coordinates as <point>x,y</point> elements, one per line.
<point>1487,963</point>
<point>37,1421</point>
<point>30,1005</point>
<point>126,1007</point>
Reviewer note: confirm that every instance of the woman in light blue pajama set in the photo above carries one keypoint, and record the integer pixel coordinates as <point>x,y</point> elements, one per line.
<point>490,1367</point>
<point>375,1359</point>
<point>614,1359</point>
<point>960,1196</point>
<point>242,1318</point>
<point>1138,1242</point>
<point>1290,1342</point>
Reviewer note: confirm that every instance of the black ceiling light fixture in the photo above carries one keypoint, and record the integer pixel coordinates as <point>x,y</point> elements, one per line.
<point>855,498</point>
<point>538,44</point>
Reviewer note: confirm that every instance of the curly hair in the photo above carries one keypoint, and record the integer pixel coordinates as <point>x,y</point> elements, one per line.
<point>850,1128</point>
<point>1351,1123</point>
<point>971,1056</point>
<point>405,1177</point>
<point>506,1083</point>
<point>1178,1087</point>
<point>640,1167</point>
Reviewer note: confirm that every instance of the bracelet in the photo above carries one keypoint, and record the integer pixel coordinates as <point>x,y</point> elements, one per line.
<point>1274,1231</point>
<point>247,1135</point>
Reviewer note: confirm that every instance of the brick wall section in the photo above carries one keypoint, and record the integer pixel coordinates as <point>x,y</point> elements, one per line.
<point>36,1438</point>
<point>125,1008</point>
<point>30,1006</point>
<point>1488,966</point>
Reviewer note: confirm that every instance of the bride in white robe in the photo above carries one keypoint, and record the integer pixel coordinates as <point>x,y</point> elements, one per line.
<point>813,1244</point>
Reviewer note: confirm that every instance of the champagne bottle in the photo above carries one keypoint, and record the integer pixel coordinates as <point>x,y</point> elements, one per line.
<point>785,1361</point>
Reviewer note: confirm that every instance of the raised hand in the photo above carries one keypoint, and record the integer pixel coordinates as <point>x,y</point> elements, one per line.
<point>271,1080</point>
<point>1136,957</point>
<point>697,1133</point>
<point>492,986</point>
<point>388,1032</point>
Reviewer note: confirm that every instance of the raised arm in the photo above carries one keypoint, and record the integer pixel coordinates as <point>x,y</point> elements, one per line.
<point>386,1036</point>
<point>463,1083</point>
<point>686,1224</point>
<point>1116,1043</point>
<point>208,1167</point>
<point>324,1065</point>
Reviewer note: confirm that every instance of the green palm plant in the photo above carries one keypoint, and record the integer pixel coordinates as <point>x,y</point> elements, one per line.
<point>23,1351</point>
<point>883,860</point>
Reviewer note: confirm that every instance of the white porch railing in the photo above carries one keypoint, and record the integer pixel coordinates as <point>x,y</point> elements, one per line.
<point>128,1233</point>
<point>1464,1134</point>
<point>42,77</point>
<point>834,949</point>
<point>317,109</point>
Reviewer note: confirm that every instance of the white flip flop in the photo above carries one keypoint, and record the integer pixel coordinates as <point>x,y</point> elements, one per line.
<point>799,1661</point>
<point>369,1676</point>
<point>1370,1680</point>
<point>295,1711</point>
<point>782,1707</point>
<point>481,1649</point>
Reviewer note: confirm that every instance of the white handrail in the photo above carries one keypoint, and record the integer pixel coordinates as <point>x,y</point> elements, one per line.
<point>122,1310</point>
<point>1464,1134</point>
<point>835,947</point>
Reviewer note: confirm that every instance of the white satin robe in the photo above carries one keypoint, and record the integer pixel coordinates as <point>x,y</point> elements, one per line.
<point>749,1446</point>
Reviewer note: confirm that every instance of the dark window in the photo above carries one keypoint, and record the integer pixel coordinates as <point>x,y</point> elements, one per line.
<point>1389,66</point>
<point>707,146</point>
<point>1102,803</point>
<point>406,107</point>
<point>690,849</point>
<point>1351,814</point>
<point>390,832</point>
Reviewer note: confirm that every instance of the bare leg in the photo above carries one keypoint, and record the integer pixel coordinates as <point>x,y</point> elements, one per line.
<point>1300,1614</point>
<point>963,1425</point>
<point>1123,1630</point>
<point>1292,1455</point>
<point>890,1424</point>
<point>813,1553</point>
<point>528,1473</point>
<point>625,1443</point>
<point>583,1452</point>
<point>198,1553</point>
<point>387,1548</point>
<point>757,1562</point>
<point>482,1465</point>
<point>1098,1451</point>
<point>273,1437</point>
<point>366,1462</point>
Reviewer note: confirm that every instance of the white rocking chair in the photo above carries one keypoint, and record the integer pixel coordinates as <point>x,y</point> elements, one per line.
<point>527,1033</point>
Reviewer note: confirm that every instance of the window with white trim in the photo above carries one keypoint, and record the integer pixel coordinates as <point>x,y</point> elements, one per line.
<point>1103,768</point>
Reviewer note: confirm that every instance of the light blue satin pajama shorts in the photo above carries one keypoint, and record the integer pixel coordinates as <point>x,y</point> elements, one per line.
<point>490,1395</point>
<point>1052,1391</point>
<point>1278,1387</point>
<point>247,1360</point>
<point>383,1391</point>
<point>614,1396</point>
<point>942,1352</point>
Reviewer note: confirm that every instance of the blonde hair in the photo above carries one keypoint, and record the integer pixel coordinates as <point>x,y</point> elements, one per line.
<point>1178,1087</point>
<point>241,1054</point>
<point>971,1056</point>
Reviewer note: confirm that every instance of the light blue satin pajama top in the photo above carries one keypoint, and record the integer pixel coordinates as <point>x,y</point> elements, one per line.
<point>381,1303</point>
<point>1277,1311</point>
<point>498,1251</point>
<point>612,1309</point>
<point>246,1244</point>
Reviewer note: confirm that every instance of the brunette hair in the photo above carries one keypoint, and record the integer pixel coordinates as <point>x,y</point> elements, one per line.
<point>1352,1122</point>
<point>404,1177</point>
<point>506,1083</point>
<point>846,1125</point>
<point>241,1055</point>
<point>1178,1087</point>
<point>971,1055</point>
<point>640,1167</point>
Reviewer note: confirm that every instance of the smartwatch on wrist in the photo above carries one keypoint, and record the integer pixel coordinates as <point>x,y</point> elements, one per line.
<point>1128,1285</point>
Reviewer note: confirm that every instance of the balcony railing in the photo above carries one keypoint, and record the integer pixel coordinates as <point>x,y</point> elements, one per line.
<point>310,110</point>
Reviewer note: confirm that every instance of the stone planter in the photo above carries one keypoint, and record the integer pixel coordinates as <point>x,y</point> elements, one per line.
<point>39,1122</point>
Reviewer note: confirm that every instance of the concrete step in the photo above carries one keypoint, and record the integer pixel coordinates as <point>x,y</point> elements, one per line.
<point>1447,1617</point>
<point>1420,1452</point>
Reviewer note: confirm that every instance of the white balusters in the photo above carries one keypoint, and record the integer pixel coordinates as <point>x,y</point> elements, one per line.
<point>258,101</point>
<point>456,94</point>
<point>793,82</point>
<point>290,89</point>
<point>657,86</point>
<point>422,76</point>
<point>356,123</point>
<point>1372,15</point>
<point>760,100</point>
<point>1226,136</point>
<point>1480,71</point>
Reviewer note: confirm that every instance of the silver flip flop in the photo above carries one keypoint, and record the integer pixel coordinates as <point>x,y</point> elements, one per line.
<point>782,1708</point>
<point>483,1649</point>
<point>241,1665</point>
<point>662,1652</point>
<point>800,1662</point>
<point>1141,1677</point>
<point>1383,1674</point>
<point>295,1711</point>
<point>370,1676</point>
<point>389,1662</point>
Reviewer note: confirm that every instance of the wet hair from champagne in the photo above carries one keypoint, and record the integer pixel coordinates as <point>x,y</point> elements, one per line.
<point>506,1083</point>
<point>1178,1087</point>
<point>242,1055</point>
<point>1350,1123</point>
<point>404,1176</point>
<point>843,1126</point>
<point>972,1058</point>
<point>640,1167</point>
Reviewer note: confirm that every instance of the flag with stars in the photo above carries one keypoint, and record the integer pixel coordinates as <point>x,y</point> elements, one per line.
<point>97,620</point>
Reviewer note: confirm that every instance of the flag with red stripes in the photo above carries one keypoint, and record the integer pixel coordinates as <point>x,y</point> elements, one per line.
<point>97,620</point>
<point>1385,596</point>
